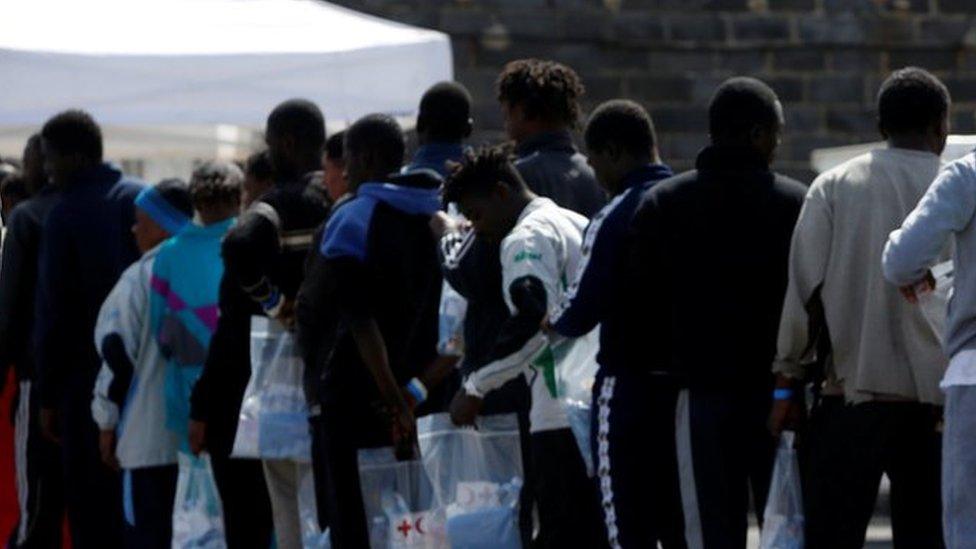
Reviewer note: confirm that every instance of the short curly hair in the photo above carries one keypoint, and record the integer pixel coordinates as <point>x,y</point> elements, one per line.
<point>545,89</point>
<point>479,172</point>
<point>215,183</point>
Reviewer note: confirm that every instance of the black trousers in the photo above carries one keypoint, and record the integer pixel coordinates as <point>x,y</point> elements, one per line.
<point>244,496</point>
<point>846,451</point>
<point>569,509</point>
<point>40,482</point>
<point>147,499</point>
<point>634,454</point>
<point>724,451</point>
<point>93,492</point>
<point>338,435</point>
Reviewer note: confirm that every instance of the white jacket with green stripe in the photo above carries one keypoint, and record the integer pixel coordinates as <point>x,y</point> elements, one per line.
<point>545,244</point>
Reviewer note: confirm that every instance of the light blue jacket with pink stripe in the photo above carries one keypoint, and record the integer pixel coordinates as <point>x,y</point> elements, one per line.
<point>183,303</point>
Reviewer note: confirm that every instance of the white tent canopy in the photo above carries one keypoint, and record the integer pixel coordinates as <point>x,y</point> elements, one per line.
<point>196,78</point>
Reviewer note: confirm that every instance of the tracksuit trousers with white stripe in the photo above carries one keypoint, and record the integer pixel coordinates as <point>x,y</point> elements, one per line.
<point>634,454</point>
<point>40,482</point>
<point>724,450</point>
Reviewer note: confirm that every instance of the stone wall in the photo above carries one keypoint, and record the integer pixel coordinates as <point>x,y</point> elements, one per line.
<point>825,58</point>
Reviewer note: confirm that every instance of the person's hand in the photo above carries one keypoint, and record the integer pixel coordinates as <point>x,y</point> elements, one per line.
<point>441,224</point>
<point>409,399</point>
<point>404,430</point>
<point>787,414</point>
<point>546,326</point>
<point>51,424</point>
<point>912,292</point>
<point>465,408</point>
<point>286,314</point>
<point>198,436</point>
<point>106,446</point>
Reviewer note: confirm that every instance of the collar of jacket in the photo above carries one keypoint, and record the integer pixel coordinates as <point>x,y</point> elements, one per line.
<point>560,140</point>
<point>434,156</point>
<point>102,173</point>
<point>645,173</point>
<point>731,159</point>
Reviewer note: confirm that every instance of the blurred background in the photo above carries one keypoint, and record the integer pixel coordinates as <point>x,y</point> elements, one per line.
<point>825,58</point>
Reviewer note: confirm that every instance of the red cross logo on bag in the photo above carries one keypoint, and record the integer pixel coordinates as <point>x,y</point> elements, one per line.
<point>405,528</point>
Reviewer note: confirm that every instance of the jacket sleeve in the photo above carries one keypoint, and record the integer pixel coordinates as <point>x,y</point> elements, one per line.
<point>578,312</point>
<point>54,284</point>
<point>15,301</point>
<point>530,278</point>
<point>118,333</point>
<point>947,207</point>
<point>808,258</point>
<point>250,248</point>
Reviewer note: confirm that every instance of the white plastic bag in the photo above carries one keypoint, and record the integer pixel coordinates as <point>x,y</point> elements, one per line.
<point>575,374</point>
<point>783,517</point>
<point>477,476</point>
<point>198,518</point>
<point>273,420</point>
<point>312,536</point>
<point>450,341</point>
<point>402,511</point>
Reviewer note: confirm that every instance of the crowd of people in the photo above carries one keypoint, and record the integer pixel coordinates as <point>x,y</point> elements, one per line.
<point>729,303</point>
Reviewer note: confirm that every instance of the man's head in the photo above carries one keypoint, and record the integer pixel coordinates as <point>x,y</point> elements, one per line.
<point>334,167</point>
<point>215,191</point>
<point>913,110</point>
<point>71,143</point>
<point>538,96</point>
<point>258,177</point>
<point>295,135</point>
<point>161,212</point>
<point>373,149</point>
<point>33,170</point>
<point>489,191</point>
<point>445,114</point>
<point>13,190</point>
<point>619,138</point>
<point>745,112</point>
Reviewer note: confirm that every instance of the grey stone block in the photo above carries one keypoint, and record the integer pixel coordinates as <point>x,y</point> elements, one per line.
<point>660,88</point>
<point>761,28</point>
<point>933,60</point>
<point>638,28</point>
<point>681,61</point>
<point>699,28</point>
<point>746,61</point>
<point>799,60</point>
<point>851,121</point>
<point>836,89</point>
<point>675,119</point>
<point>855,60</point>
<point>834,29</point>
<point>946,30</point>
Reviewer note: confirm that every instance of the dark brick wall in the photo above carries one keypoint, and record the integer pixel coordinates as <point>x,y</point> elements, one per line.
<point>825,58</point>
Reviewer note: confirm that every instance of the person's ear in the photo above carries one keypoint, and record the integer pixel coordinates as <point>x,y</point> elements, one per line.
<point>502,191</point>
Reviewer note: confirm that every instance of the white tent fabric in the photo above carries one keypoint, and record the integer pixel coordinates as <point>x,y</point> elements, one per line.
<point>183,77</point>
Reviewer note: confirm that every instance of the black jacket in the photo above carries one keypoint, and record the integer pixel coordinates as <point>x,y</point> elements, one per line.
<point>378,261</point>
<point>709,270</point>
<point>553,168</point>
<point>264,252</point>
<point>18,282</point>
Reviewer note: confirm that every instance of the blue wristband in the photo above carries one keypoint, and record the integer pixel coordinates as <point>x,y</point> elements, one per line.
<point>417,390</point>
<point>782,393</point>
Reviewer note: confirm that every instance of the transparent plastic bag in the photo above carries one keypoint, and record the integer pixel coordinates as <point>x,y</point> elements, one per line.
<point>312,536</point>
<point>402,510</point>
<point>477,477</point>
<point>198,519</point>
<point>783,517</point>
<point>450,341</point>
<point>273,421</point>
<point>575,374</point>
<point>935,303</point>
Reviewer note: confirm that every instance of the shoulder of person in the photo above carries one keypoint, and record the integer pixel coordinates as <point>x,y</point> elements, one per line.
<point>789,187</point>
